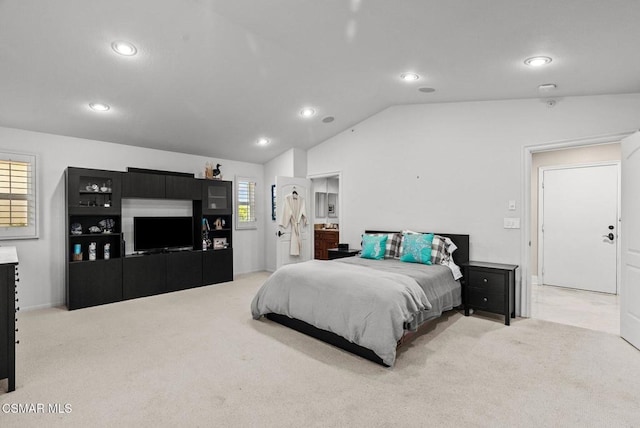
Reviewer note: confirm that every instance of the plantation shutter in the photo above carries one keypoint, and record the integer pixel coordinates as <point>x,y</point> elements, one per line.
<point>17,196</point>
<point>245,203</point>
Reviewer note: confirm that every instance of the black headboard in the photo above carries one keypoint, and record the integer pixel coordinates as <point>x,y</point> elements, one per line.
<point>460,256</point>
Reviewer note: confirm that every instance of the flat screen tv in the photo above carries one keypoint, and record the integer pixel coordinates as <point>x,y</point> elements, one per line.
<point>162,233</point>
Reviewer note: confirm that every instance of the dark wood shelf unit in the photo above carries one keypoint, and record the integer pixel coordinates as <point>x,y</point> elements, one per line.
<point>100,281</point>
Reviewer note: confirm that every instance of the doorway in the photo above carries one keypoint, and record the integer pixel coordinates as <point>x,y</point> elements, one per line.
<point>327,212</point>
<point>568,306</point>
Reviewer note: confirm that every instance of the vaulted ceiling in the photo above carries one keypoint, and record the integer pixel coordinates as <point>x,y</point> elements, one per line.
<point>211,77</point>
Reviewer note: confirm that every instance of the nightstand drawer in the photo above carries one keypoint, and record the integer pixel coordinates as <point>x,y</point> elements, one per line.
<point>491,282</point>
<point>481,299</point>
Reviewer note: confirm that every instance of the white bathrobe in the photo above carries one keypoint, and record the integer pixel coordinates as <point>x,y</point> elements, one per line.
<point>294,213</point>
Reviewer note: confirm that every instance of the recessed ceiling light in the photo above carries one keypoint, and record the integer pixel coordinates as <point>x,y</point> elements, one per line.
<point>426,90</point>
<point>537,61</point>
<point>547,87</point>
<point>307,112</point>
<point>328,119</point>
<point>124,48</point>
<point>99,106</point>
<point>409,77</point>
<point>263,141</point>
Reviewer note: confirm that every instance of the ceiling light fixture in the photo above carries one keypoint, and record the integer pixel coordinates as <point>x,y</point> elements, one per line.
<point>547,87</point>
<point>409,77</point>
<point>328,119</point>
<point>426,90</point>
<point>262,141</point>
<point>124,48</point>
<point>307,112</point>
<point>99,106</point>
<point>537,61</point>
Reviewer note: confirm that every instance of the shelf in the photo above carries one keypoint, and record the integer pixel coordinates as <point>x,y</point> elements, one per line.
<point>93,192</point>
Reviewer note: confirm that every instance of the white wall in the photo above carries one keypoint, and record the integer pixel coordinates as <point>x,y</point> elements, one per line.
<point>453,167</point>
<point>42,260</point>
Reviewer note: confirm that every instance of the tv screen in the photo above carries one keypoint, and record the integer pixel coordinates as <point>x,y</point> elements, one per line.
<point>159,233</point>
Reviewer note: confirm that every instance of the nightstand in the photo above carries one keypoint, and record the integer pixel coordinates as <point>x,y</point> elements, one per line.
<point>490,287</point>
<point>335,253</point>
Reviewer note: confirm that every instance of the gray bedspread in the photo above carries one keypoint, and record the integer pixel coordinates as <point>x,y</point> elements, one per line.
<point>368,302</point>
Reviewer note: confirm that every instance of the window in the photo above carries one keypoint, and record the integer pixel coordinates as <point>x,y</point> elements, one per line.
<point>17,196</point>
<point>245,203</point>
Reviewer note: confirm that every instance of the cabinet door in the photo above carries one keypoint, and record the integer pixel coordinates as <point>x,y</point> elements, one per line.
<point>142,185</point>
<point>94,283</point>
<point>144,275</point>
<point>93,191</point>
<point>216,197</point>
<point>182,188</point>
<point>184,270</point>
<point>217,266</point>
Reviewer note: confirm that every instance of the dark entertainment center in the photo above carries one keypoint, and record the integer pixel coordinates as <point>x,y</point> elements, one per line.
<point>98,271</point>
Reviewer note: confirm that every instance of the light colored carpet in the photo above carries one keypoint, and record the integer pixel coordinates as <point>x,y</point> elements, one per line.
<point>196,358</point>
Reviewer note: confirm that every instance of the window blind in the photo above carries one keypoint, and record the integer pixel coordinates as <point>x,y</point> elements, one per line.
<point>245,203</point>
<point>17,196</point>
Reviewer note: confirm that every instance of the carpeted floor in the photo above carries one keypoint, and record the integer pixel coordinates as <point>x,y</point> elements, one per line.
<point>196,358</point>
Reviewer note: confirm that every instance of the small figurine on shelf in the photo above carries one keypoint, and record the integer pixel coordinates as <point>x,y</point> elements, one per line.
<point>219,223</point>
<point>217,174</point>
<point>208,171</point>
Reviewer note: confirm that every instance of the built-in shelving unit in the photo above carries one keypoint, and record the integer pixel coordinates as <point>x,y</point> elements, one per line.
<point>94,222</point>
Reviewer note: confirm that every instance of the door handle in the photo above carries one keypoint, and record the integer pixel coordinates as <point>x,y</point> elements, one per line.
<point>279,233</point>
<point>611,236</point>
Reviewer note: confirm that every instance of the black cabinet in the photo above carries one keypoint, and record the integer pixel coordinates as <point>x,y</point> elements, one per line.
<point>7,324</point>
<point>159,185</point>
<point>217,266</point>
<point>94,283</point>
<point>182,188</point>
<point>97,269</point>
<point>184,270</point>
<point>144,275</point>
<point>490,287</point>
<point>93,191</point>
<point>216,197</point>
<point>93,247</point>
<point>143,185</point>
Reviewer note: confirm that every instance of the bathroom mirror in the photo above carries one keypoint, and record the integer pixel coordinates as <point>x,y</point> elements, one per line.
<point>332,205</point>
<point>321,204</point>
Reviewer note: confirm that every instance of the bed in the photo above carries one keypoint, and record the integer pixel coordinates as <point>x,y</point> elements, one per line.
<point>366,306</point>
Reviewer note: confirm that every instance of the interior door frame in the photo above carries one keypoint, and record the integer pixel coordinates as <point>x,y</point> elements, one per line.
<point>541,213</point>
<point>525,232</point>
<point>313,201</point>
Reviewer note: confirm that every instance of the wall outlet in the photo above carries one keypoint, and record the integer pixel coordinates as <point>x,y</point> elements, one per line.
<point>512,222</point>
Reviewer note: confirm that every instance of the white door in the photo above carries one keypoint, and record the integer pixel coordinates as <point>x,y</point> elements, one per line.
<point>286,186</point>
<point>579,224</point>
<point>630,235</point>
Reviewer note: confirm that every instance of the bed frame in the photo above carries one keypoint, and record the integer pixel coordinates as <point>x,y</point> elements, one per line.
<point>460,256</point>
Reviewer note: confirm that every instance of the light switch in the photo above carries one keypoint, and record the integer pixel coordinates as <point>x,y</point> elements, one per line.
<point>512,205</point>
<point>512,222</point>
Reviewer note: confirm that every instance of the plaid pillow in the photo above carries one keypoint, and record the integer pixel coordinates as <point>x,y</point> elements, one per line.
<point>439,250</point>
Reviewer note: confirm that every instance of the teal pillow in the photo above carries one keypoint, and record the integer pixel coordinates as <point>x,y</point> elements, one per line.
<point>373,246</point>
<point>416,248</point>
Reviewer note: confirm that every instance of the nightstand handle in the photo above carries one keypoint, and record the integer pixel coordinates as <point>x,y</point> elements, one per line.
<point>484,299</point>
<point>485,280</point>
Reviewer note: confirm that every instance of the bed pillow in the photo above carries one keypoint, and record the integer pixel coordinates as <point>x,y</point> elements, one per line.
<point>402,235</point>
<point>373,246</point>
<point>439,250</point>
<point>416,248</point>
<point>392,249</point>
